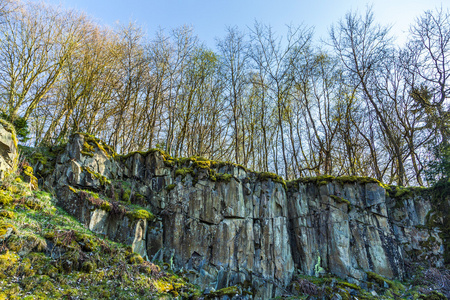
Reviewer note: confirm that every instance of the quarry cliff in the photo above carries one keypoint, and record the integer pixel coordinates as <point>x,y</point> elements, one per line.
<point>222,225</point>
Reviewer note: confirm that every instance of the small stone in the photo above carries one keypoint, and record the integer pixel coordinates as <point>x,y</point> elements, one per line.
<point>336,297</point>
<point>7,233</point>
<point>374,293</point>
<point>353,292</point>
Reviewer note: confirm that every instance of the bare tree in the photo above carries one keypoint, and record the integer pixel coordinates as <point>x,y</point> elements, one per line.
<point>428,61</point>
<point>234,67</point>
<point>364,48</point>
<point>36,42</point>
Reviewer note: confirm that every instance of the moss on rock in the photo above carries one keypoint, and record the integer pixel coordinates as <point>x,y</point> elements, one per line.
<point>272,176</point>
<point>140,214</point>
<point>227,291</point>
<point>341,200</point>
<point>8,214</point>
<point>102,179</point>
<point>183,172</point>
<point>6,229</point>
<point>91,143</point>
<point>5,198</point>
<point>170,187</point>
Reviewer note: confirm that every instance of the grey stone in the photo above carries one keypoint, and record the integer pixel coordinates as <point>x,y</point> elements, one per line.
<point>250,230</point>
<point>8,149</point>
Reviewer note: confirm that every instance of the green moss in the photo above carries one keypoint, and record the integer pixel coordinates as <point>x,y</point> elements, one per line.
<point>325,179</point>
<point>140,214</point>
<point>401,192</point>
<point>33,203</point>
<point>42,158</point>
<point>228,291</point>
<point>183,172</point>
<point>371,276</point>
<point>91,142</point>
<point>10,127</point>
<point>170,187</point>
<point>91,193</point>
<point>135,259</point>
<point>349,285</point>
<point>7,214</point>
<point>395,286</point>
<point>5,198</point>
<point>7,261</point>
<point>88,266</point>
<point>106,206</point>
<point>139,197</point>
<point>341,200</point>
<point>433,295</point>
<point>26,240</point>
<point>102,179</point>
<point>356,179</point>
<point>49,235</point>
<point>272,176</point>
<point>168,160</point>
<point>73,189</point>
<point>94,199</point>
<point>223,177</point>
<point>126,195</point>
<point>5,227</point>
<point>202,164</point>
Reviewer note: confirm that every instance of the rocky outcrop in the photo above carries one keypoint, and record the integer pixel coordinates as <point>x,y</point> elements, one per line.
<point>419,239</point>
<point>350,236</point>
<point>223,225</point>
<point>8,148</point>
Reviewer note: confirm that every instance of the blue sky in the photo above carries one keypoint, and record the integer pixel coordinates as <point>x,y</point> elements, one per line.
<point>210,17</point>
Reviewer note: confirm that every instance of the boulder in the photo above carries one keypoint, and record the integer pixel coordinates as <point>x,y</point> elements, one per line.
<point>8,148</point>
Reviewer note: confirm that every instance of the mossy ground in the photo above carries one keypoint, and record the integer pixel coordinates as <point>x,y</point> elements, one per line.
<point>50,255</point>
<point>376,287</point>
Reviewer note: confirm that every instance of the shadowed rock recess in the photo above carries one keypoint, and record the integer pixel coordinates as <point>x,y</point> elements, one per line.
<point>223,225</point>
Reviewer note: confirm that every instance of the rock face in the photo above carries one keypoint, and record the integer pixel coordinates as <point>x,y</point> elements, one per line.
<point>8,148</point>
<point>224,226</point>
<point>351,238</point>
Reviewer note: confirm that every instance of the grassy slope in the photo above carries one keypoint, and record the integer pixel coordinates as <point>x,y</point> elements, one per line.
<point>65,259</point>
